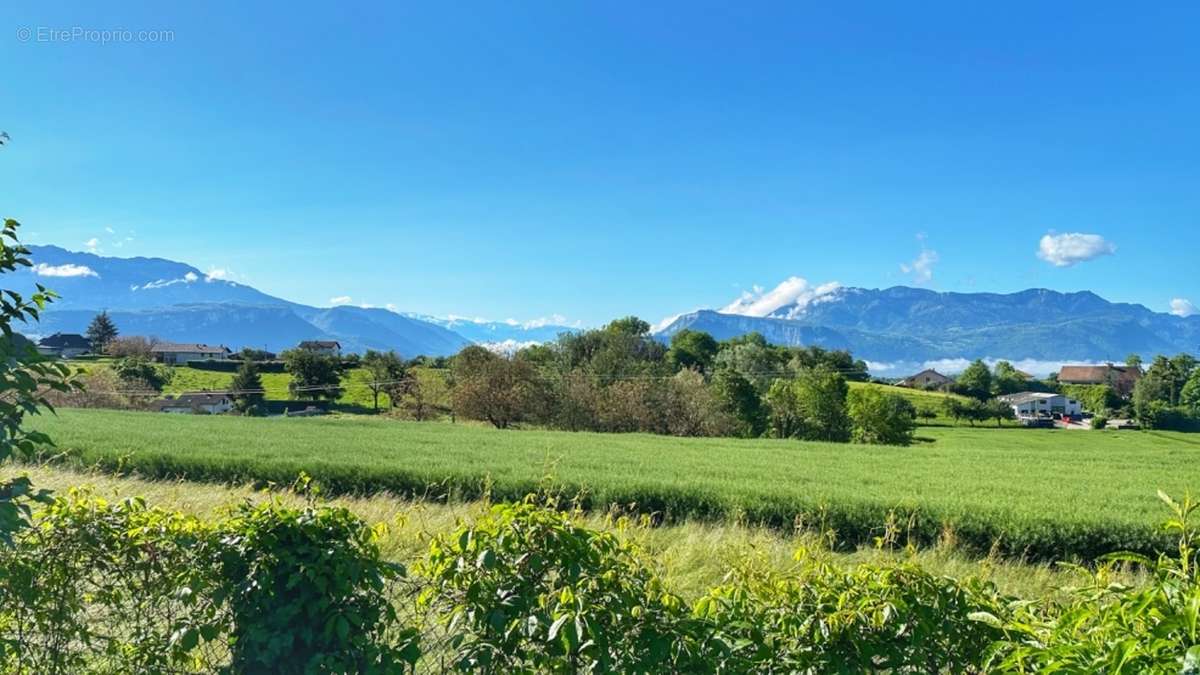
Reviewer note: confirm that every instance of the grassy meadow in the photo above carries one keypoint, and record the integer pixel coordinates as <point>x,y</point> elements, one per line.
<point>691,557</point>
<point>1041,494</point>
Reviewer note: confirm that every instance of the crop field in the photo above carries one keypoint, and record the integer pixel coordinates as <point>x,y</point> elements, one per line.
<point>1042,494</point>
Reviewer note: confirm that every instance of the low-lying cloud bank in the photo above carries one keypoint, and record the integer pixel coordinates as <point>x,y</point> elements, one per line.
<point>1035,367</point>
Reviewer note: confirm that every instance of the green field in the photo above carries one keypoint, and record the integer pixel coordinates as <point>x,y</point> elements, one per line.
<point>1039,493</point>
<point>921,399</point>
<point>356,394</point>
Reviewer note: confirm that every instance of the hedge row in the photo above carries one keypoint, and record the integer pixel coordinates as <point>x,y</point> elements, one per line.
<point>101,587</point>
<point>231,366</point>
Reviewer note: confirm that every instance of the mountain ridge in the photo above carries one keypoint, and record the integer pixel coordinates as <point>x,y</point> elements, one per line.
<point>175,301</point>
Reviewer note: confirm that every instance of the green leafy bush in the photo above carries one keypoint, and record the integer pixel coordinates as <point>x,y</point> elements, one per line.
<point>122,588</point>
<point>232,365</point>
<point>1109,627</point>
<point>109,587</point>
<point>306,590</point>
<point>525,589</point>
<point>820,618</point>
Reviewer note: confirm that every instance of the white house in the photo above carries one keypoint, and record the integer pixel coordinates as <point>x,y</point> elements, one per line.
<point>195,404</point>
<point>1031,404</point>
<point>182,352</point>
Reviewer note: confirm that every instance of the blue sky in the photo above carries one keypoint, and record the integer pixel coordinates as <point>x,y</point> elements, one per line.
<point>599,159</point>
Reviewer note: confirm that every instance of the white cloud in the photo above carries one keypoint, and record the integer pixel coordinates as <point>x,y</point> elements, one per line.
<point>509,346</point>
<point>793,293</point>
<point>922,267</point>
<point>218,274</point>
<point>391,307</point>
<point>189,277</point>
<point>92,244</point>
<point>110,230</point>
<point>1064,250</point>
<point>1183,307</point>
<point>67,270</point>
<point>341,300</point>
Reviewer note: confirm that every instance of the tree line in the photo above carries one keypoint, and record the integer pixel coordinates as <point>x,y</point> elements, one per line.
<point>620,378</point>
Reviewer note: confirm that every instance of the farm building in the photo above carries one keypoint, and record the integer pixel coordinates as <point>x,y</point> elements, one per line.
<point>65,345</point>
<point>1033,404</point>
<point>926,379</point>
<point>1120,378</point>
<point>326,347</point>
<point>201,403</point>
<point>182,352</point>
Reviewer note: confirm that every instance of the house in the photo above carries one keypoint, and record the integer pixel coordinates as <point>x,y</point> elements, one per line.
<point>64,345</point>
<point>182,352</point>
<point>1120,378</point>
<point>1035,404</point>
<point>200,403</point>
<point>326,347</point>
<point>926,379</point>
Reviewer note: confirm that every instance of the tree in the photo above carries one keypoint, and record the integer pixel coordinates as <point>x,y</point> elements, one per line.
<point>134,345</point>
<point>999,411</point>
<point>881,418</point>
<point>139,371</point>
<point>742,400</point>
<point>1133,361</point>
<point>971,409</point>
<point>314,375</point>
<point>101,331</point>
<point>25,380</point>
<point>1190,396</point>
<point>388,375</point>
<point>1151,395</point>
<point>1006,379</point>
<point>498,389</point>
<point>757,362</point>
<point>810,407</point>
<point>247,387</point>
<point>692,350</point>
<point>975,381</point>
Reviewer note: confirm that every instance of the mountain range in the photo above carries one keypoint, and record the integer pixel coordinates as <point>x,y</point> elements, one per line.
<point>900,328</point>
<point>177,302</point>
<point>894,329</point>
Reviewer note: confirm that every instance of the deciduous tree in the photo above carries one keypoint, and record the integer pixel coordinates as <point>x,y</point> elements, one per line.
<point>881,418</point>
<point>25,379</point>
<point>314,375</point>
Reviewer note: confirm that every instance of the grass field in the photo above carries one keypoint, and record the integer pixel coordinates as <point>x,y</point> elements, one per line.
<point>691,557</point>
<point>921,399</point>
<point>1045,494</point>
<point>356,394</point>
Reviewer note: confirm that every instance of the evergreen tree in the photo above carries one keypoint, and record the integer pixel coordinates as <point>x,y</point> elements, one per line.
<point>247,386</point>
<point>101,331</point>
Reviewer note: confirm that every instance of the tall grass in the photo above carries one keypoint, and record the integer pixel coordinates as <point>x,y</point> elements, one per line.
<point>691,556</point>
